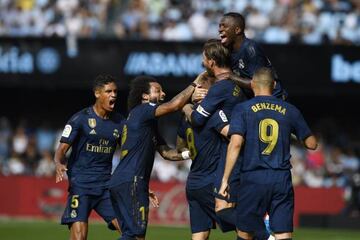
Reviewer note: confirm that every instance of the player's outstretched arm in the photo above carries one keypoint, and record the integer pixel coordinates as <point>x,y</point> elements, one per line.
<point>310,142</point>
<point>60,162</point>
<point>232,154</point>
<point>178,154</point>
<point>176,103</point>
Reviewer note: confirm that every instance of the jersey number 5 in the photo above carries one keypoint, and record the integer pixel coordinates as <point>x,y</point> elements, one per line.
<point>268,133</point>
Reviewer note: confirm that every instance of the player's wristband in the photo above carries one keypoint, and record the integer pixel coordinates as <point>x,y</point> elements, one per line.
<point>185,155</point>
<point>193,84</point>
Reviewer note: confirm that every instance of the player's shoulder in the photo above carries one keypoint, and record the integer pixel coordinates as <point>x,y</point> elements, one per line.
<point>243,106</point>
<point>223,85</point>
<point>251,47</point>
<point>83,113</point>
<point>143,110</point>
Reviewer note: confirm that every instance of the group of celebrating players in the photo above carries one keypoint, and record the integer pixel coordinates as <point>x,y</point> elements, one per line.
<point>236,130</point>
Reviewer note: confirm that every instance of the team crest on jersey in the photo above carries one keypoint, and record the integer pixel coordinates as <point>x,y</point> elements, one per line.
<point>116,133</point>
<point>241,64</point>
<point>92,122</point>
<point>73,214</point>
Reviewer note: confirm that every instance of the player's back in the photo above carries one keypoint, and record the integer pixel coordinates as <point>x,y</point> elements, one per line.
<point>267,122</point>
<point>224,95</point>
<point>138,142</point>
<point>93,140</point>
<point>205,146</point>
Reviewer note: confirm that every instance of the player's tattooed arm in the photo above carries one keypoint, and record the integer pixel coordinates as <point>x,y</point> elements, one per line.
<point>240,81</point>
<point>187,110</point>
<point>177,154</point>
<point>60,161</point>
<point>177,102</point>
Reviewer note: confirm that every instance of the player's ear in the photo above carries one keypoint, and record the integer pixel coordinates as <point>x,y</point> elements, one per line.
<point>212,63</point>
<point>145,96</point>
<point>97,93</point>
<point>238,30</point>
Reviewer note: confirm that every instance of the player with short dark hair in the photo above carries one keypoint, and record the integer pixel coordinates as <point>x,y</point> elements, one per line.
<point>246,55</point>
<point>139,141</point>
<point>266,123</point>
<point>93,134</point>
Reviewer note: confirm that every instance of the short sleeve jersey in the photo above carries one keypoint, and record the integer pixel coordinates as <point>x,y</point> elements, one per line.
<point>223,94</point>
<point>267,123</point>
<point>249,58</point>
<point>93,140</point>
<point>205,147</point>
<point>138,145</point>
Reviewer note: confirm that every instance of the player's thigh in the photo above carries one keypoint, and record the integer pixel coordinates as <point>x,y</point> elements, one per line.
<point>78,207</point>
<point>201,207</point>
<point>282,205</point>
<point>105,209</point>
<point>252,202</point>
<point>131,202</point>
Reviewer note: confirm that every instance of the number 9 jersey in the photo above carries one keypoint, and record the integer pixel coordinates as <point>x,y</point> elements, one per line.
<point>267,123</point>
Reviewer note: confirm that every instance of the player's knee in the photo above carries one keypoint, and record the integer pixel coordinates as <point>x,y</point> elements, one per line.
<point>78,231</point>
<point>200,235</point>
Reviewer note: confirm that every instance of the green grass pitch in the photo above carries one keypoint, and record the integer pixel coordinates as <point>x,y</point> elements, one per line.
<point>51,230</point>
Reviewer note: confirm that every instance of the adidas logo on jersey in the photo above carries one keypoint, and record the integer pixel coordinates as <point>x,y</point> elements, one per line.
<point>93,132</point>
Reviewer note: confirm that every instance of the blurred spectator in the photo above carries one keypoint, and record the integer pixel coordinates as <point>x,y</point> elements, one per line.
<point>46,167</point>
<point>15,165</point>
<point>20,140</point>
<point>270,21</point>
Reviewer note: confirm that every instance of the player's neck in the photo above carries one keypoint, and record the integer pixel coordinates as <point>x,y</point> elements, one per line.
<point>237,44</point>
<point>100,112</point>
<point>262,92</point>
<point>221,74</point>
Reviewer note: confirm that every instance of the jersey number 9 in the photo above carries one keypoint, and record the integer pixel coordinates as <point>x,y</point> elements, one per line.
<point>268,133</point>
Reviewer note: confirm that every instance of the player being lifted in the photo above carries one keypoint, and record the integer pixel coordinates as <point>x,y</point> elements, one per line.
<point>266,124</point>
<point>246,55</point>
<point>93,134</point>
<point>140,140</point>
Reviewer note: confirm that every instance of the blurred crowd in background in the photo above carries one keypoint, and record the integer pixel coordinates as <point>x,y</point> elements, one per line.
<point>336,163</point>
<point>269,21</point>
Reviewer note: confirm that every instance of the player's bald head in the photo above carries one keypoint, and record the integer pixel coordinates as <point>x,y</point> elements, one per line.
<point>263,78</point>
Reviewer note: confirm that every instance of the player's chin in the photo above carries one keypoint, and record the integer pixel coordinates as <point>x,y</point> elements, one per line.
<point>110,107</point>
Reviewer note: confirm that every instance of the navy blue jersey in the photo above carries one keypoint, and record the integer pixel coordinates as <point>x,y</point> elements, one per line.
<point>93,140</point>
<point>224,94</point>
<point>138,145</point>
<point>267,123</point>
<point>205,147</point>
<point>249,58</point>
